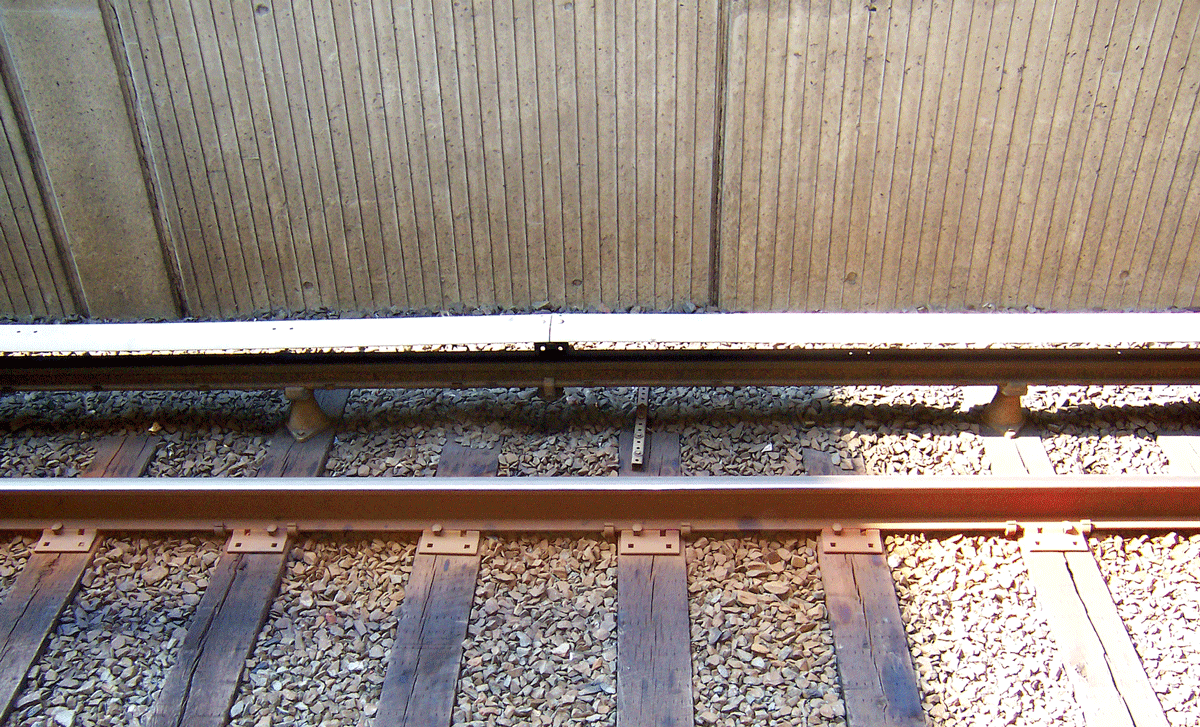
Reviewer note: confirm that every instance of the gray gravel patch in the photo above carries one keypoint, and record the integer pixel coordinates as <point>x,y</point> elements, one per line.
<point>869,448</point>
<point>137,410</point>
<point>932,397</point>
<point>53,434</point>
<point>112,647</point>
<point>14,552</point>
<point>401,432</point>
<point>215,452</point>
<point>726,448</point>
<point>1104,449</point>
<point>983,652</point>
<point>410,451</point>
<point>214,434</point>
<point>954,448</point>
<point>586,451</point>
<point>541,646</point>
<point>1056,398</point>
<point>743,430</point>
<point>1155,583</point>
<point>321,657</point>
<point>46,455</point>
<point>464,410</point>
<point>870,430</point>
<point>762,648</point>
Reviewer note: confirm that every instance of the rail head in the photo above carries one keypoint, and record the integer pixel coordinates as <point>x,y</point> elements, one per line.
<point>559,350</point>
<point>595,331</point>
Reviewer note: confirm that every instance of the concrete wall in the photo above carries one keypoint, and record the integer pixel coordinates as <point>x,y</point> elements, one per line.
<point>68,84</point>
<point>34,280</point>
<point>752,154</point>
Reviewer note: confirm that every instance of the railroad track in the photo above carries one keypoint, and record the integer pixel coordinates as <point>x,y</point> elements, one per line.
<point>948,619</point>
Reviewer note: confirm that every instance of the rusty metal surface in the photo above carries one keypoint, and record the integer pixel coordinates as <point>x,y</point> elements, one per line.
<point>1054,537</point>
<point>65,540</point>
<point>611,331</point>
<point>437,541</point>
<point>640,541</point>
<point>605,368</point>
<point>851,540</point>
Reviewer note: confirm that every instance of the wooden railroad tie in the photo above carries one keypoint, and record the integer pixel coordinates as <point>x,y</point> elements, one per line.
<point>879,683</point>
<point>1183,453</point>
<point>422,673</point>
<point>288,456</point>
<point>1110,683</point>
<point>52,574</point>
<point>654,661</point>
<point>200,688</point>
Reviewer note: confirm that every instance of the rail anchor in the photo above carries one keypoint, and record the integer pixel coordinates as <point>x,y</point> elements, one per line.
<point>637,456</point>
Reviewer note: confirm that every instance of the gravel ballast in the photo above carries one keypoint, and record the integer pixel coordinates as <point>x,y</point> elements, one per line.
<point>321,657</point>
<point>762,649</point>
<point>1173,400</point>
<point>409,451</point>
<point>585,451</point>
<point>396,432</point>
<point>870,430</point>
<point>14,552</point>
<point>106,660</point>
<point>45,455</point>
<point>1155,583</point>
<point>215,452</point>
<point>204,433</point>
<point>541,647</point>
<point>983,652</point>
<point>1104,449</point>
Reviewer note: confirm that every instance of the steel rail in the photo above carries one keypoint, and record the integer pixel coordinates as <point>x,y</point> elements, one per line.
<point>879,329</point>
<point>466,369</point>
<point>597,503</point>
<point>609,331</point>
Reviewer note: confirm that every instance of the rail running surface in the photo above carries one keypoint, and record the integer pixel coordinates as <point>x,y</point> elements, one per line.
<point>606,330</point>
<point>552,351</point>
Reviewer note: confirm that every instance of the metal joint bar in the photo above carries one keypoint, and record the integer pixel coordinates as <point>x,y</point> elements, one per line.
<point>637,457</point>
